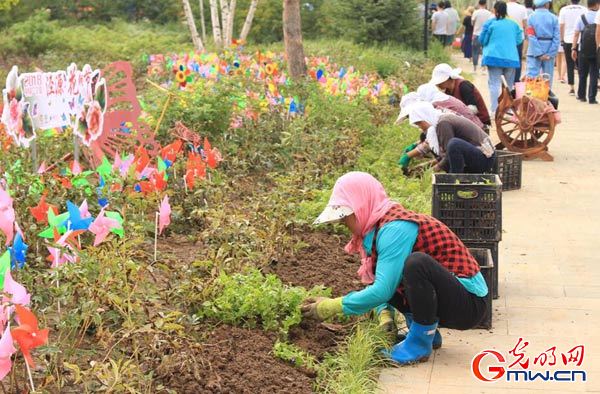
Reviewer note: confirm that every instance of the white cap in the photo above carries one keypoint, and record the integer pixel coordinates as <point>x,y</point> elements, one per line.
<point>333,213</point>
<point>442,72</point>
<point>405,102</point>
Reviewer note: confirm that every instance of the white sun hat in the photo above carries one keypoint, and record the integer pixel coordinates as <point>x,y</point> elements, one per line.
<point>333,213</point>
<point>405,102</point>
<point>442,72</point>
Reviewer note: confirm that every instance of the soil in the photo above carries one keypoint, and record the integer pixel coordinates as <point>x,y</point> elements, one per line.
<point>240,360</point>
<point>322,262</point>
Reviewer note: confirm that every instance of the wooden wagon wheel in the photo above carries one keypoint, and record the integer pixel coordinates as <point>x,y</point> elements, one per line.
<point>521,128</point>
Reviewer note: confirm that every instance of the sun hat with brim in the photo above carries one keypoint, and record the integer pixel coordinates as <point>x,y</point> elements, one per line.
<point>442,72</point>
<point>333,213</point>
<point>405,102</point>
<point>540,3</point>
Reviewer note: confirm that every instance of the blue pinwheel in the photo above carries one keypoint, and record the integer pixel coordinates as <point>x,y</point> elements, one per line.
<point>76,222</point>
<point>18,252</point>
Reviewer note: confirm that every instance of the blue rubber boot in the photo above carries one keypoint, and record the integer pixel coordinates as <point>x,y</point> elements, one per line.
<point>416,347</point>
<point>437,339</point>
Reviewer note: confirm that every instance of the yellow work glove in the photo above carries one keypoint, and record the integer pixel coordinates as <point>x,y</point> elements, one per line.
<point>386,321</point>
<point>321,308</point>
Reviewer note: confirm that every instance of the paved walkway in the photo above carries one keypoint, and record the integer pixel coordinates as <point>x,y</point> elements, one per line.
<point>549,270</point>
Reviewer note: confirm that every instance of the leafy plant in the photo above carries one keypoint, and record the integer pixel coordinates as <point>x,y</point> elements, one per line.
<point>295,355</point>
<point>253,299</point>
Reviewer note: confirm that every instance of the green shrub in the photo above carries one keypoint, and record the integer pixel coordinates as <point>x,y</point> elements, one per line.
<point>254,299</point>
<point>30,38</point>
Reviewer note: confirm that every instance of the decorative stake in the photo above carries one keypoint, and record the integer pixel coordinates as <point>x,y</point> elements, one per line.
<point>155,235</point>
<point>30,377</point>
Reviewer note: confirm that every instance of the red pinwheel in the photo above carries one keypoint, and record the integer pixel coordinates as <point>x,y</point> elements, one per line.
<point>28,334</point>
<point>171,151</point>
<point>194,168</point>
<point>141,159</point>
<point>40,212</point>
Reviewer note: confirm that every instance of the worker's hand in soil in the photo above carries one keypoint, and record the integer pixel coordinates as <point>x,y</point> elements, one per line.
<point>321,308</point>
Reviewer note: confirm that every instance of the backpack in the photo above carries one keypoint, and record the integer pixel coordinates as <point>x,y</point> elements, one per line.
<point>588,39</point>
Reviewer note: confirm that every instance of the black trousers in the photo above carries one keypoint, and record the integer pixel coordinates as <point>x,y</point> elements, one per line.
<point>518,73</point>
<point>432,293</point>
<point>588,66</point>
<point>571,65</point>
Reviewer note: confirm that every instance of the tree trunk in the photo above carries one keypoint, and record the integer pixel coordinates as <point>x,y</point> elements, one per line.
<point>248,21</point>
<point>292,36</point>
<point>225,19</point>
<point>202,23</point>
<point>189,17</point>
<point>216,26</point>
<point>232,6</point>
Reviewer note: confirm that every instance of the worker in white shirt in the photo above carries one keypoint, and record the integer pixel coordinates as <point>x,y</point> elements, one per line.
<point>518,13</point>
<point>568,17</point>
<point>452,23</point>
<point>480,16</point>
<point>439,23</point>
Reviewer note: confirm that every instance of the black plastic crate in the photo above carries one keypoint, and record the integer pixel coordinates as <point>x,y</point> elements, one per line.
<point>469,204</point>
<point>486,265</point>
<point>509,167</point>
<point>493,247</point>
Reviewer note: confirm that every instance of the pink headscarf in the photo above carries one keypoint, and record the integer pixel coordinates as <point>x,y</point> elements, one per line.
<point>368,200</point>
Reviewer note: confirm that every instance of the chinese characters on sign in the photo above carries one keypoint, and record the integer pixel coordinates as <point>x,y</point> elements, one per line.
<point>46,100</point>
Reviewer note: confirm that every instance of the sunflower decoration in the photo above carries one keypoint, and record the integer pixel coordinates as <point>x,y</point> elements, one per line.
<point>182,75</point>
<point>271,68</point>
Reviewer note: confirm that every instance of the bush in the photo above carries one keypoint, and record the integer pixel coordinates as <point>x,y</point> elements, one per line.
<point>368,21</point>
<point>31,37</point>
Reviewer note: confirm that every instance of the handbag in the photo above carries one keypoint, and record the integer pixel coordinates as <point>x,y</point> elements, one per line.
<point>538,87</point>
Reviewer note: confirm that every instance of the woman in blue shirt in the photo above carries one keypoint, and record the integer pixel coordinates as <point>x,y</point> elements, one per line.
<point>500,37</point>
<point>410,261</point>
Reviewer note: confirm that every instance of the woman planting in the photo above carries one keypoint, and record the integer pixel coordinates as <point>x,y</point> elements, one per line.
<point>449,81</point>
<point>431,94</point>
<point>410,261</point>
<point>460,144</point>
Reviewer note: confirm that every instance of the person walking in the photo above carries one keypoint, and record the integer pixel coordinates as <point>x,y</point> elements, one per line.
<point>597,22</point>
<point>500,37</point>
<point>480,16</point>
<point>409,261</point>
<point>452,23</point>
<point>467,31</point>
<point>439,23</point>
<point>568,17</point>
<point>544,39</point>
<point>518,12</point>
<point>585,52</point>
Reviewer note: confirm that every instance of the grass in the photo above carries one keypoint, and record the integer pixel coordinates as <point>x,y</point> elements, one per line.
<point>354,368</point>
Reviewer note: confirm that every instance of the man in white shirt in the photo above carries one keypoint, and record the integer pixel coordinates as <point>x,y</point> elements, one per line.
<point>439,24</point>
<point>568,17</point>
<point>518,13</point>
<point>452,23</point>
<point>480,16</point>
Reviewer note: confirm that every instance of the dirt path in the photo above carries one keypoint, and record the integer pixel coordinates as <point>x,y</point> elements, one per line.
<point>549,270</point>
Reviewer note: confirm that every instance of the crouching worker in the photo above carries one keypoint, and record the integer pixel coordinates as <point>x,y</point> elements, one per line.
<point>461,145</point>
<point>411,262</point>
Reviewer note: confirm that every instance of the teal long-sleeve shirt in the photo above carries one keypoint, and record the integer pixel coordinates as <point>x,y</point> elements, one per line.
<point>394,243</point>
